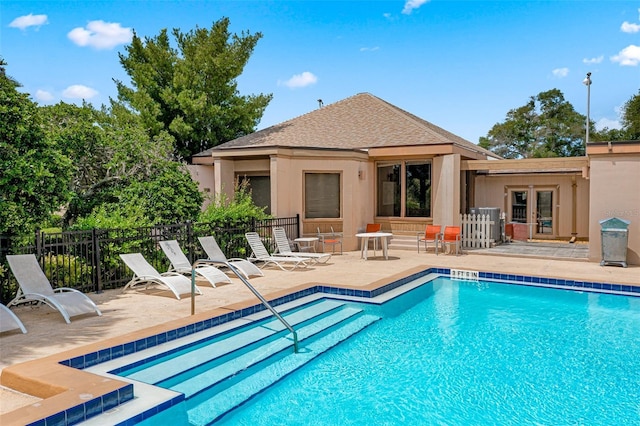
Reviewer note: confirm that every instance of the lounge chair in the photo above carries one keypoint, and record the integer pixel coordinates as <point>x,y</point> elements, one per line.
<point>284,248</point>
<point>181,265</point>
<point>431,235</point>
<point>260,253</point>
<point>452,236</point>
<point>332,239</point>
<point>35,287</point>
<point>213,251</point>
<point>146,275</point>
<point>9,321</point>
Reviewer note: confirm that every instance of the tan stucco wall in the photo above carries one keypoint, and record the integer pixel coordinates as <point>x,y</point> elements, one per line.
<point>287,195</point>
<point>204,177</point>
<point>446,190</point>
<point>492,191</point>
<point>615,192</point>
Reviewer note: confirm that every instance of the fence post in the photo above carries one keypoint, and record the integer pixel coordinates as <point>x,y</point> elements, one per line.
<point>298,225</point>
<point>96,261</point>
<point>38,244</point>
<point>190,240</point>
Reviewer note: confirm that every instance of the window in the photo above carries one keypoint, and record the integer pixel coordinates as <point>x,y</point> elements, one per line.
<point>322,195</point>
<point>519,206</point>
<point>260,187</point>
<point>388,181</point>
<point>408,197</point>
<point>418,178</point>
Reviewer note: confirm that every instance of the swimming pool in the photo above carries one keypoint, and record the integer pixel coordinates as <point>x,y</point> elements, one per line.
<point>463,352</point>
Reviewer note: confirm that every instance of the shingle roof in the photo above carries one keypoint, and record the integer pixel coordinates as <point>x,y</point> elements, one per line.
<point>359,122</point>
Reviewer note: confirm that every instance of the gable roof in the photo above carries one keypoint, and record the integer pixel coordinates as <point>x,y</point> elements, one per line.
<point>359,122</point>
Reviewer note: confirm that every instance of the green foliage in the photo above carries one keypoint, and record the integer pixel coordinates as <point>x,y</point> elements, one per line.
<point>171,196</point>
<point>240,209</point>
<point>67,270</point>
<point>114,216</point>
<point>35,176</point>
<point>547,126</point>
<point>631,118</point>
<point>191,92</point>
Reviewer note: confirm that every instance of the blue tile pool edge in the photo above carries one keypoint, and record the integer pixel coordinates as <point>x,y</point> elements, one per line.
<point>90,409</point>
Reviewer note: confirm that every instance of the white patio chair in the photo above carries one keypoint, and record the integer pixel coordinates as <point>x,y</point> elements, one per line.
<point>213,251</point>
<point>9,321</point>
<point>146,275</point>
<point>284,248</point>
<point>35,287</point>
<point>261,254</point>
<point>181,265</point>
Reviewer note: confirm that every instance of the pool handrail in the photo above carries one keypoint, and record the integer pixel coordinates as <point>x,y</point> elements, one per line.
<point>246,282</point>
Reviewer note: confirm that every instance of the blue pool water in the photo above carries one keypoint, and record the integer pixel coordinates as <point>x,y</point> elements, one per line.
<point>459,353</point>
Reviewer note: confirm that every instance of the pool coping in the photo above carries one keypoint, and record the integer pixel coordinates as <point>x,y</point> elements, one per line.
<point>72,395</point>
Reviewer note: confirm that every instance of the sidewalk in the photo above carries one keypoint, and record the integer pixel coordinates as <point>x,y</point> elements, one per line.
<point>552,250</point>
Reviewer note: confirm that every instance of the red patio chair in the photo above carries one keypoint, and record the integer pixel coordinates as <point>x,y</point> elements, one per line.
<point>432,234</point>
<point>452,235</point>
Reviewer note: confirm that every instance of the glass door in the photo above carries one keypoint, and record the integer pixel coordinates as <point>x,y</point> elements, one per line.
<point>544,212</point>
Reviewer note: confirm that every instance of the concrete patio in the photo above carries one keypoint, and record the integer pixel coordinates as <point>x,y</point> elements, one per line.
<point>130,312</point>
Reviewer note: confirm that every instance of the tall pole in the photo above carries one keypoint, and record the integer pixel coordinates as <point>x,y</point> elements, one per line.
<point>587,82</point>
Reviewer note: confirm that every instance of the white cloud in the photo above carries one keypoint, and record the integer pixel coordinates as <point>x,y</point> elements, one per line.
<point>630,56</point>
<point>29,20</point>
<point>78,91</point>
<point>43,96</point>
<point>369,49</point>
<point>409,5</point>
<point>387,15</point>
<point>560,72</point>
<point>608,123</point>
<point>628,27</point>
<point>593,60</point>
<point>101,35</point>
<point>300,80</point>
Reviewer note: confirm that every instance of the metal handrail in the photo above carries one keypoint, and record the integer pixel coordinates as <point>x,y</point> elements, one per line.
<point>248,284</point>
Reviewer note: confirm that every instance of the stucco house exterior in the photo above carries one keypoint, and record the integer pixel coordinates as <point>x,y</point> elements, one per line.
<point>363,160</point>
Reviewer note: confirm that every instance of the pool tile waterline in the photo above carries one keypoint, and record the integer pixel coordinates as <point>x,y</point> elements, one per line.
<point>99,405</point>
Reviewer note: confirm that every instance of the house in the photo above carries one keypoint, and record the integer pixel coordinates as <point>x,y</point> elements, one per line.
<point>364,160</point>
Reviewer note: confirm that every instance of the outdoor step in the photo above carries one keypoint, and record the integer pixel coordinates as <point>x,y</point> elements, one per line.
<point>218,405</point>
<point>213,376</point>
<point>403,242</point>
<point>177,364</point>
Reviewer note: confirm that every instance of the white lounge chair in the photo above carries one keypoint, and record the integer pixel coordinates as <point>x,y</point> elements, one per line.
<point>284,248</point>
<point>35,287</point>
<point>146,275</point>
<point>9,321</point>
<point>213,251</point>
<point>181,265</point>
<point>261,254</point>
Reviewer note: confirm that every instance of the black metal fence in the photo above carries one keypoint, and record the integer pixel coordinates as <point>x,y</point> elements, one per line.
<point>89,260</point>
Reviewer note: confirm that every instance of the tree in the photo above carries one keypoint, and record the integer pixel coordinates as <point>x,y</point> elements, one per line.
<point>631,117</point>
<point>191,92</point>
<point>547,126</point>
<point>34,174</point>
<point>117,165</point>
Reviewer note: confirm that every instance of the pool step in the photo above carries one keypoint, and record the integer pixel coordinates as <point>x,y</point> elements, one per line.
<point>222,402</point>
<point>176,365</point>
<point>213,376</point>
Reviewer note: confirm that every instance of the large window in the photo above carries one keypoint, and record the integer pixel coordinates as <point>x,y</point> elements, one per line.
<point>418,182</point>
<point>322,195</point>
<point>260,187</point>
<point>388,181</point>
<point>404,189</point>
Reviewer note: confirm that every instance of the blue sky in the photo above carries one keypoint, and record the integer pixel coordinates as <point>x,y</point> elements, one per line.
<point>461,65</point>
